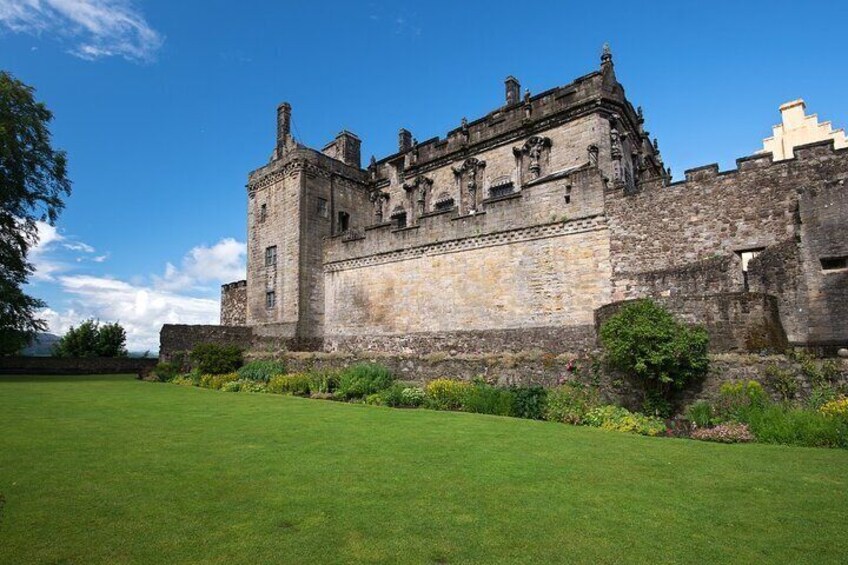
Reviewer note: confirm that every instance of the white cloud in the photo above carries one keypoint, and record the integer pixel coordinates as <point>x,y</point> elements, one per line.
<point>96,28</point>
<point>223,262</point>
<point>44,257</point>
<point>140,310</point>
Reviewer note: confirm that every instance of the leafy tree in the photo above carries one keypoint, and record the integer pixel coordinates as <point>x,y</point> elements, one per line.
<point>644,340</point>
<point>33,183</point>
<point>91,339</point>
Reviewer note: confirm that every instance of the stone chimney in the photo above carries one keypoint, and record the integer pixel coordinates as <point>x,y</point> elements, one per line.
<point>347,148</point>
<point>513,90</point>
<point>283,125</point>
<point>404,140</point>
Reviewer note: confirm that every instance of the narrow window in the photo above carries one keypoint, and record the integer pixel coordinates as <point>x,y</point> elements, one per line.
<point>445,204</point>
<point>746,257</point>
<point>323,210</point>
<point>271,256</point>
<point>270,299</point>
<point>568,195</point>
<point>501,189</point>
<point>263,212</point>
<point>344,222</point>
<point>834,263</point>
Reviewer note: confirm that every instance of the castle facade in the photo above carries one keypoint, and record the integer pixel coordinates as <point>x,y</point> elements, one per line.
<point>524,228</point>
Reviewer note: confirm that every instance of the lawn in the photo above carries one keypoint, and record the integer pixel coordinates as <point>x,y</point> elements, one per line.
<point>114,470</point>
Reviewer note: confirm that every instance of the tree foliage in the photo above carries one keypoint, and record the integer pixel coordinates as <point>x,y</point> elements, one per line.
<point>91,339</point>
<point>643,339</point>
<point>33,183</point>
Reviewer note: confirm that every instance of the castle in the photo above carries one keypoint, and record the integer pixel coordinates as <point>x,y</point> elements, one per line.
<point>526,227</point>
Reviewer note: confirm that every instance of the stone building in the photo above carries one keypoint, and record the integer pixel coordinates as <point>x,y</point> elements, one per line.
<point>524,228</point>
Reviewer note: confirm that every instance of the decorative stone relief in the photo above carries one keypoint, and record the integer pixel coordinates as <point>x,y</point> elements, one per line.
<point>467,177</point>
<point>535,151</point>
<point>378,199</point>
<point>593,155</point>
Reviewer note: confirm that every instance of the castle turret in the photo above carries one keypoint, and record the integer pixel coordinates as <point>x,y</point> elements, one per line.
<point>283,126</point>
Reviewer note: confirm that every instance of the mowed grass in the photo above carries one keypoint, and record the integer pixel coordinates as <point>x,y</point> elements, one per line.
<point>114,470</point>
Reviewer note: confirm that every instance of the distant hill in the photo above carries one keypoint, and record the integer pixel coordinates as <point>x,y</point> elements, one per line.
<point>42,346</point>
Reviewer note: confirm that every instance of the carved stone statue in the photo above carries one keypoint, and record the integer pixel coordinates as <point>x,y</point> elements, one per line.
<point>377,199</point>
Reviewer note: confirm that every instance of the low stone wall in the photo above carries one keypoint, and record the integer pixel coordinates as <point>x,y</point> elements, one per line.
<point>537,367</point>
<point>178,338</point>
<point>736,321</point>
<point>75,365</point>
<point>551,339</point>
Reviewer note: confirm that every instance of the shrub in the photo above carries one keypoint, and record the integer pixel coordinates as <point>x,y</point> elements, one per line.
<point>323,382</point>
<point>244,385</point>
<point>568,403</point>
<point>482,398</point>
<point>298,384</point>
<point>737,398</point>
<point>212,359</point>
<point>644,340</point>
<point>724,433</point>
<point>616,418</point>
<point>262,370</point>
<point>837,408</point>
<point>217,381</point>
<point>363,379</point>
<point>401,396</point>
<point>165,371</point>
<point>529,402</point>
<point>783,382</point>
<point>701,414</point>
<point>795,426</point>
<point>821,395</point>
<point>446,394</point>
<point>184,380</point>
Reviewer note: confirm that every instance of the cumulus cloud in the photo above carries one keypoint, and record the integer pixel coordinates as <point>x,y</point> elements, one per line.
<point>94,28</point>
<point>220,263</point>
<point>183,295</point>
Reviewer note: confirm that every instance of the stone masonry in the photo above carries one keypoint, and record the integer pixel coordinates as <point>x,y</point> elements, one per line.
<point>517,230</point>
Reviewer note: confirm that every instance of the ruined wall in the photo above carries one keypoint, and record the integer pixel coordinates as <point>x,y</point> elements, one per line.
<point>178,338</point>
<point>234,304</point>
<point>736,322</point>
<point>688,236</point>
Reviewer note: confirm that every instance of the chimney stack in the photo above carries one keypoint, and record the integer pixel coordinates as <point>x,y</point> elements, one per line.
<point>404,140</point>
<point>348,148</point>
<point>513,90</point>
<point>283,125</point>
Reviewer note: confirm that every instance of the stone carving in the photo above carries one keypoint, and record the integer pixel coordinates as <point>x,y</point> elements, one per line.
<point>467,177</point>
<point>419,189</point>
<point>534,149</point>
<point>378,199</point>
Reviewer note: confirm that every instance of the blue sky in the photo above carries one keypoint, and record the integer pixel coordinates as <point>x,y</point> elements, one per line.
<point>164,106</point>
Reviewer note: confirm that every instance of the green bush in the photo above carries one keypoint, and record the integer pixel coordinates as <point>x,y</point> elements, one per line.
<point>529,402</point>
<point>212,359</point>
<point>569,403</point>
<point>323,382</point>
<point>400,395</point>
<point>701,414</point>
<point>262,370</point>
<point>782,381</point>
<point>482,398</point>
<point>185,380</point>
<point>616,418</point>
<point>244,385</point>
<point>363,379</point>
<point>644,340</point>
<point>165,371</point>
<point>786,425</point>
<point>217,382</point>
<point>737,398</point>
<point>446,394</point>
<point>298,384</point>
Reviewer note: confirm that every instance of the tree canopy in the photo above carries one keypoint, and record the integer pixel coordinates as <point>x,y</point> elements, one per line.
<point>91,339</point>
<point>33,184</point>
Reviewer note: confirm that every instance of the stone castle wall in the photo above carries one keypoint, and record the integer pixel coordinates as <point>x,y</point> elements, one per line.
<point>234,304</point>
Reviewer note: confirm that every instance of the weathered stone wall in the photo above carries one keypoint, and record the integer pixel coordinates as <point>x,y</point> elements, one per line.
<point>75,365</point>
<point>741,321</point>
<point>687,237</point>
<point>178,338</point>
<point>536,367</point>
<point>234,304</point>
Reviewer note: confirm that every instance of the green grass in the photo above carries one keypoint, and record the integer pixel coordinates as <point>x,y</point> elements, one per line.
<point>113,470</point>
